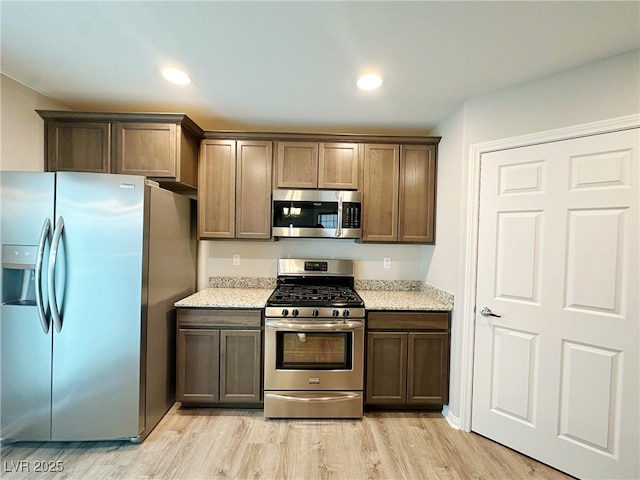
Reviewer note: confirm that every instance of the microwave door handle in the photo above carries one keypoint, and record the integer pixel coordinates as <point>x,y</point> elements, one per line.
<point>339,229</point>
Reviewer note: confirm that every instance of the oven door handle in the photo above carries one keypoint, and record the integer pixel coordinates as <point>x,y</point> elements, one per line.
<point>314,326</point>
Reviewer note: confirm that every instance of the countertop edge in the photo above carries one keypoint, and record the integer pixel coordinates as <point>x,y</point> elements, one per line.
<point>256,298</point>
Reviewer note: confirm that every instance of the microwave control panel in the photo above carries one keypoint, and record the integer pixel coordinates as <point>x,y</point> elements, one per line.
<point>350,215</point>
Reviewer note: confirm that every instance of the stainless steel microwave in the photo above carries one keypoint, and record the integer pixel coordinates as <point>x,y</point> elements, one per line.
<point>316,213</point>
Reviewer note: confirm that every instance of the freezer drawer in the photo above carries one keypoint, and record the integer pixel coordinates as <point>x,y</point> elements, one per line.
<point>305,404</point>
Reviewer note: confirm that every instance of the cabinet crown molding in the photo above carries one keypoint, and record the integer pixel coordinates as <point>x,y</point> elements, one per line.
<point>321,137</point>
<point>138,117</point>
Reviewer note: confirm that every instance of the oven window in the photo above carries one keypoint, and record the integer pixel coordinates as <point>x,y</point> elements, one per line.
<point>314,350</point>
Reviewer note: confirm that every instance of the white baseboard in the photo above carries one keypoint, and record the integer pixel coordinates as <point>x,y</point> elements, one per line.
<point>452,420</point>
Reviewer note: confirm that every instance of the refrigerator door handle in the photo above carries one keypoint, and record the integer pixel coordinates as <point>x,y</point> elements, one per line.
<point>41,305</point>
<point>51,281</point>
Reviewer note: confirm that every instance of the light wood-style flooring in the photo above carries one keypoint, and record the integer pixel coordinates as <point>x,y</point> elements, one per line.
<point>241,444</point>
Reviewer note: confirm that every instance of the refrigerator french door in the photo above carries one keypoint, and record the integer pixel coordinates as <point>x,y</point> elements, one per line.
<point>75,284</point>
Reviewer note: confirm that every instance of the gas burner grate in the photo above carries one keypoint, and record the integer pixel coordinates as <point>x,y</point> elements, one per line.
<point>307,294</point>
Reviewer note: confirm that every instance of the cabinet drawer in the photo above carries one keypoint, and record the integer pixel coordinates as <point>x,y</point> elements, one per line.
<point>210,318</point>
<point>408,321</point>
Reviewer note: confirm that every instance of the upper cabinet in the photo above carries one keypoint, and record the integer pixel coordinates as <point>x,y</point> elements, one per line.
<point>163,147</point>
<point>324,165</point>
<point>78,146</point>
<point>234,199</point>
<point>381,171</point>
<point>398,193</point>
<point>417,204</point>
<point>396,175</point>
<point>217,193</point>
<point>297,165</point>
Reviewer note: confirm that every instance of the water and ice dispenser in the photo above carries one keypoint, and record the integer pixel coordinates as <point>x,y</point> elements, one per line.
<point>18,274</point>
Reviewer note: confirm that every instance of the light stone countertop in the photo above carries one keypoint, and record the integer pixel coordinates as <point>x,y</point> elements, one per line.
<point>227,298</point>
<point>257,297</point>
<point>401,300</point>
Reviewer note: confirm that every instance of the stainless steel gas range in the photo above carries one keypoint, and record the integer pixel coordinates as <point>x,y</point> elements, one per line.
<point>314,342</point>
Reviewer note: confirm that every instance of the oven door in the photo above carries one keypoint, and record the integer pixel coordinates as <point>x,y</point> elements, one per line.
<point>314,355</point>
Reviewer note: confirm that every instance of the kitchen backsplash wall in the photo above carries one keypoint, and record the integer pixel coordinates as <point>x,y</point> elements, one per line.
<point>258,259</point>
<point>269,283</point>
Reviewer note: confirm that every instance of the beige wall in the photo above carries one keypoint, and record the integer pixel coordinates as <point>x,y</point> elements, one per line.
<point>21,128</point>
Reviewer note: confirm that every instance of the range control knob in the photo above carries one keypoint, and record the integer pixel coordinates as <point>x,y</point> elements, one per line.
<point>345,313</point>
<point>335,313</point>
<point>294,312</point>
<point>285,312</point>
<point>314,312</point>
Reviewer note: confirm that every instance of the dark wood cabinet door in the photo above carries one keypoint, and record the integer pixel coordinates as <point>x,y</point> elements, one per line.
<point>380,193</point>
<point>417,194</point>
<point>187,162</point>
<point>338,166</point>
<point>421,341</point>
<point>78,147</point>
<point>253,190</point>
<point>146,149</point>
<point>297,165</point>
<point>240,366</point>
<point>428,368</point>
<point>217,184</point>
<point>198,355</point>
<point>386,368</point>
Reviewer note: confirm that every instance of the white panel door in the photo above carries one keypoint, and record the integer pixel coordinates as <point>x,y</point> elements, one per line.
<point>556,374</point>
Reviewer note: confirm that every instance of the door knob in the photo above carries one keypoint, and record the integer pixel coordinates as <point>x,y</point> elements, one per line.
<point>486,312</point>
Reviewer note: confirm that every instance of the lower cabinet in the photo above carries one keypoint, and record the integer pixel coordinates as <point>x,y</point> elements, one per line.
<point>219,356</point>
<point>407,359</point>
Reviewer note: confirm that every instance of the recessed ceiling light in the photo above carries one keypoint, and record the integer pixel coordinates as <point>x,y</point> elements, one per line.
<point>369,82</point>
<point>176,76</point>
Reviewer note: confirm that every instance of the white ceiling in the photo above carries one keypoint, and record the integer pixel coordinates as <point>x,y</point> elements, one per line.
<point>291,65</point>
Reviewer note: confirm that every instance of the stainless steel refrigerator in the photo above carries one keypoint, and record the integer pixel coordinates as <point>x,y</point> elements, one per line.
<point>91,267</point>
